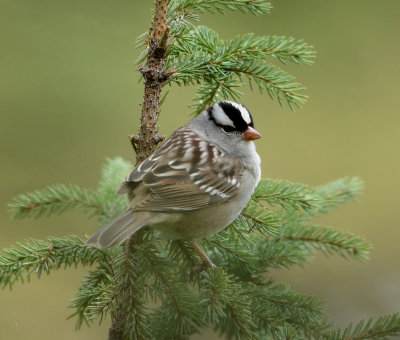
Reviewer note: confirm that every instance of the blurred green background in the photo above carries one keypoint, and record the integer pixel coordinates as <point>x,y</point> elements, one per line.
<point>69,97</point>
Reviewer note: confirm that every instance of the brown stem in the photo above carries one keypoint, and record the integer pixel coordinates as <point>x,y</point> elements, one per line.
<point>116,331</point>
<point>146,141</point>
<point>155,76</point>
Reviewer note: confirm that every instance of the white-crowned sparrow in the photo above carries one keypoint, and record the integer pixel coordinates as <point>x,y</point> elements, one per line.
<point>195,184</point>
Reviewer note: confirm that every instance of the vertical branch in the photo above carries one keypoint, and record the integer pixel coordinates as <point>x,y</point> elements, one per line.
<point>154,74</point>
<point>144,144</point>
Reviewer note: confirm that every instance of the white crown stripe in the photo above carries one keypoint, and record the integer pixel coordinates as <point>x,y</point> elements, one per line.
<point>243,111</point>
<point>220,117</point>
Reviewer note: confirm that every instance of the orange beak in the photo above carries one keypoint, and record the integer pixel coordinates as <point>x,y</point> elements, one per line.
<point>251,134</point>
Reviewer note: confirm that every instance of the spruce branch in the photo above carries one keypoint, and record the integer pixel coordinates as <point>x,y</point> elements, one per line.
<point>241,263</point>
<point>54,199</point>
<point>227,305</point>
<point>214,91</point>
<point>249,264</point>
<point>299,307</point>
<point>219,67</point>
<point>181,251</point>
<point>272,254</point>
<point>285,49</point>
<point>180,314</point>
<point>38,256</point>
<point>181,9</point>
<point>94,297</point>
<point>130,315</point>
<point>112,173</point>
<point>181,13</point>
<point>384,328</point>
<point>163,281</point>
<point>328,240</point>
<point>256,217</point>
<point>59,198</point>
<point>277,304</point>
<point>287,195</point>
<point>338,192</point>
<point>198,55</point>
<point>285,331</point>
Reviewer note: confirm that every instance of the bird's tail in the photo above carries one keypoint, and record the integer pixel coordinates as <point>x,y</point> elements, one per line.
<point>117,231</point>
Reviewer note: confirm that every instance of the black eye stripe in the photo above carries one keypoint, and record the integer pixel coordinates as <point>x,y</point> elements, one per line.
<point>228,128</point>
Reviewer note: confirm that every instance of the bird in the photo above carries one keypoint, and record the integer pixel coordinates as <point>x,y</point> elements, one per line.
<point>195,184</point>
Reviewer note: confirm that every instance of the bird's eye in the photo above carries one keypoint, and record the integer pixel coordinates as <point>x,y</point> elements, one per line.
<point>228,128</point>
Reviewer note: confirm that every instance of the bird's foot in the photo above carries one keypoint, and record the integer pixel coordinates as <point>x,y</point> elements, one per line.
<point>206,261</point>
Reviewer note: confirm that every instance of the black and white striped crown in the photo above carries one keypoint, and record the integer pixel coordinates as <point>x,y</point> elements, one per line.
<point>230,116</point>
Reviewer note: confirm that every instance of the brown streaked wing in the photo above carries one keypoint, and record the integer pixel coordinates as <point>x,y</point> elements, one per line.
<point>186,173</point>
<point>177,186</point>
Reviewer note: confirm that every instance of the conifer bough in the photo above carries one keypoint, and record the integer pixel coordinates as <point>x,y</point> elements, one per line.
<point>157,289</point>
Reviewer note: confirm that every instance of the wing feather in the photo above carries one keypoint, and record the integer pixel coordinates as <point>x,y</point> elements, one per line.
<point>191,183</point>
